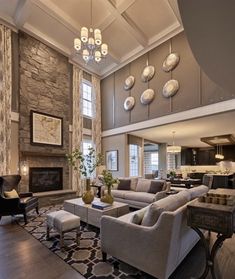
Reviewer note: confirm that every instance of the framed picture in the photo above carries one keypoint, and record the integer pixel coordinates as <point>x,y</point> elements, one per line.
<point>46,129</point>
<point>112,160</point>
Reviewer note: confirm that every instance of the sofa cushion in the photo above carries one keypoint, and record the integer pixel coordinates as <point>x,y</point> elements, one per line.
<point>143,185</point>
<point>169,203</point>
<point>140,196</point>
<point>124,184</point>
<point>198,191</point>
<point>119,193</point>
<point>156,186</point>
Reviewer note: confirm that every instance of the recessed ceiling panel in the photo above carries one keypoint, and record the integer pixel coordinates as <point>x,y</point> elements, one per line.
<point>8,7</point>
<point>51,27</point>
<point>151,16</point>
<point>80,11</point>
<point>119,40</point>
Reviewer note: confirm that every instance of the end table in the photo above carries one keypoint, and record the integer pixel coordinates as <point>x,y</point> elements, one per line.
<point>215,218</point>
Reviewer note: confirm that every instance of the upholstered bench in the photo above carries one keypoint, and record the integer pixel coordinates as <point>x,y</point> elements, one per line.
<point>63,221</point>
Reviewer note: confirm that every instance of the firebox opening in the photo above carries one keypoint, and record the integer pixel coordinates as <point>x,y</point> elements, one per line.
<point>45,179</point>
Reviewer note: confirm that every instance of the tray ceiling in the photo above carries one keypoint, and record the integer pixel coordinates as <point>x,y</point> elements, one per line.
<point>129,27</point>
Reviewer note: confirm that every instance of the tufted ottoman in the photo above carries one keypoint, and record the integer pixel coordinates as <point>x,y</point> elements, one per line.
<point>63,221</point>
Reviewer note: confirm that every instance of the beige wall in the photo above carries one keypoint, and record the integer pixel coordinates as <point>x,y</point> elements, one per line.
<point>118,142</point>
<point>14,167</point>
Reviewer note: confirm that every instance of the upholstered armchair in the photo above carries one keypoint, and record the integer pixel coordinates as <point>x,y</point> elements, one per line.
<point>18,205</point>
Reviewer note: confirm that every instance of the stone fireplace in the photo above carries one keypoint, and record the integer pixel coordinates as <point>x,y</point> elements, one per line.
<point>45,179</point>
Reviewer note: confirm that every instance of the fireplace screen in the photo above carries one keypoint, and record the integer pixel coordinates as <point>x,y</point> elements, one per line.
<point>45,179</point>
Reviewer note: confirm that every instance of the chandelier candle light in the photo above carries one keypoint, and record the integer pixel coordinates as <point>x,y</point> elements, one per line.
<point>89,45</point>
<point>173,148</point>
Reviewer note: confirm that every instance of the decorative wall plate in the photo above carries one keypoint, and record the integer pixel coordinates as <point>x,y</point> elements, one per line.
<point>170,88</point>
<point>170,62</point>
<point>129,103</point>
<point>129,82</point>
<point>147,96</point>
<point>148,73</point>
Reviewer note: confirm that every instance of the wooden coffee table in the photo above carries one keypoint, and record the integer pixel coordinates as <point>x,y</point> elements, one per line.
<point>91,215</point>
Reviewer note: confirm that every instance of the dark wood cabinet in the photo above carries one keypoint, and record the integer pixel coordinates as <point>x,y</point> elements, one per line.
<point>198,156</point>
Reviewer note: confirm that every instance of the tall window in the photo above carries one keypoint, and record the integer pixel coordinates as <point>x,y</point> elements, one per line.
<point>134,160</point>
<point>85,146</point>
<point>87,98</point>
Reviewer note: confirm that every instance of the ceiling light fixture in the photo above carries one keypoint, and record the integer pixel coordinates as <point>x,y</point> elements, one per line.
<point>89,45</point>
<point>219,153</point>
<point>173,148</point>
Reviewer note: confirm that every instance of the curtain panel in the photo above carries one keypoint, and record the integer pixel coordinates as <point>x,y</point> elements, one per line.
<point>5,99</point>
<point>77,124</point>
<point>96,121</point>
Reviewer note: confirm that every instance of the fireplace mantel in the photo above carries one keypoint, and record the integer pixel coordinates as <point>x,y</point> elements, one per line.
<point>42,154</point>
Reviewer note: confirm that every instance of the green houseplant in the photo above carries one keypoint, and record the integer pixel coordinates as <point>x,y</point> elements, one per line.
<point>108,180</point>
<point>87,165</point>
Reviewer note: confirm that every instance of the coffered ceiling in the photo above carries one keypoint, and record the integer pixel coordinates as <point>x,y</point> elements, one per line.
<point>129,27</point>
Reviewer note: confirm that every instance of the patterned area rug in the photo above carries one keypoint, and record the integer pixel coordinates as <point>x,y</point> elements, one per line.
<point>86,258</point>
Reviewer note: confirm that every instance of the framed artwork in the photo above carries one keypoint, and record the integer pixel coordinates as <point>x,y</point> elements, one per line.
<point>112,160</point>
<point>46,129</point>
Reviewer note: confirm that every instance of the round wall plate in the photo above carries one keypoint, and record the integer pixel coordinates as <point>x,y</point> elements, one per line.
<point>170,88</point>
<point>170,62</point>
<point>129,103</point>
<point>147,96</point>
<point>129,82</point>
<point>148,73</point>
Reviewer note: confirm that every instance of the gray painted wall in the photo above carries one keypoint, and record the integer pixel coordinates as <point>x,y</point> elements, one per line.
<point>196,89</point>
<point>118,142</point>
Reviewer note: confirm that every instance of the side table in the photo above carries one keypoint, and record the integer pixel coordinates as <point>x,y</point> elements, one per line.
<point>212,217</point>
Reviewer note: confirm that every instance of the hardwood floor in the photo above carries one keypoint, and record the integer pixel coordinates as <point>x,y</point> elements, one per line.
<point>24,257</point>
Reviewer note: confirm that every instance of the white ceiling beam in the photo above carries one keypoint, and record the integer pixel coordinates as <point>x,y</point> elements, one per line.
<point>22,13</point>
<point>127,24</point>
<point>173,5</point>
<point>124,5</point>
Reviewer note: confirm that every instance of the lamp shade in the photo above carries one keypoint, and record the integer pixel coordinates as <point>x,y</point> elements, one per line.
<point>104,49</point>
<point>77,44</point>
<point>97,56</point>
<point>84,34</point>
<point>173,149</point>
<point>98,37</point>
<point>85,54</point>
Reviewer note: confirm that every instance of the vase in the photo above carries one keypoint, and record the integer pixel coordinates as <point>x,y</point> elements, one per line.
<point>107,198</point>
<point>88,195</point>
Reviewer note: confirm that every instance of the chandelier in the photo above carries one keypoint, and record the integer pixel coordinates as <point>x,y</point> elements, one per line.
<point>219,153</point>
<point>89,45</point>
<point>173,148</point>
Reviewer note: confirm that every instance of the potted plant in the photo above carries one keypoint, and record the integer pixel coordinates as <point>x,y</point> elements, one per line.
<point>108,181</point>
<point>87,165</point>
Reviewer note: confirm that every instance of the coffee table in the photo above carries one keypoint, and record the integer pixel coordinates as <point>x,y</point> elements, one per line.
<point>91,215</point>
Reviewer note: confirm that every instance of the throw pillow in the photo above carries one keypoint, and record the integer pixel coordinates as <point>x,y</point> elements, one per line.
<point>170,203</point>
<point>155,187</point>
<point>143,185</point>
<point>11,194</point>
<point>137,217</point>
<point>124,184</point>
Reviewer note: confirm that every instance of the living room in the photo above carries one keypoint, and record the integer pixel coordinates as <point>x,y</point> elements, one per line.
<point>149,99</point>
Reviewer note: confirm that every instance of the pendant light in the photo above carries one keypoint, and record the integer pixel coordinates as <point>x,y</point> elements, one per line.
<point>173,148</point>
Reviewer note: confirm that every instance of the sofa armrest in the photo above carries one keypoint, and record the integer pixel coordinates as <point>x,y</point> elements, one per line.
<point>134,244</point>
<point>25,195</point>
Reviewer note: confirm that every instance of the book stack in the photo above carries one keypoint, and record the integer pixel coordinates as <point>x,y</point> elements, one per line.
<point>100,205</point>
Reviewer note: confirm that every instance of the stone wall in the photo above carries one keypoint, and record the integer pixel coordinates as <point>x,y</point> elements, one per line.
<point>45,86</point>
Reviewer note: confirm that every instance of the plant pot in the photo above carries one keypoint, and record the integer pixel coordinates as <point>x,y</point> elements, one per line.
<point>107,198</point>
<point>88,195</point>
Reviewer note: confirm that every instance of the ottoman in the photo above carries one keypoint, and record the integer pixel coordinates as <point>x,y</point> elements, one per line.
<point>63,221</point>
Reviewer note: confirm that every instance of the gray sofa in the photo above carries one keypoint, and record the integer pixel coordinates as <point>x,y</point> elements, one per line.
<point>138,196</point>
<point>157,249</point>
